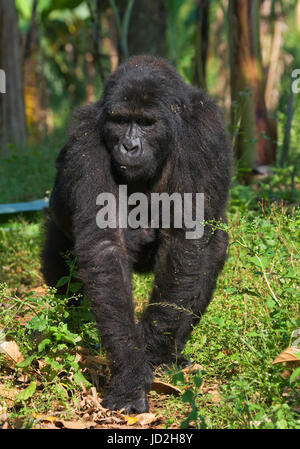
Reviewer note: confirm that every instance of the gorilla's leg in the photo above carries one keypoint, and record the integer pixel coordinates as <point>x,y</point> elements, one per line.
<point>185,279</point>
<point>106,273</point>
<point>56,244</point>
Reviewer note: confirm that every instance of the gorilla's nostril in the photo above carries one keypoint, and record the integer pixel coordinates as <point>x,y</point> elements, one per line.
<point>131,146</point>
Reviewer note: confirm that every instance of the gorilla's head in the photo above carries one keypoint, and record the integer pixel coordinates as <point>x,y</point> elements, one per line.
<point>139,125</point>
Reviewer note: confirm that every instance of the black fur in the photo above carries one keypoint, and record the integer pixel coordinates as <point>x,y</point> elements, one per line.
<point>185,150</point>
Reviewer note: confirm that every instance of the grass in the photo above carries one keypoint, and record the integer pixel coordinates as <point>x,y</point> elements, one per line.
<point>251,319</point>
<point>27,173</point>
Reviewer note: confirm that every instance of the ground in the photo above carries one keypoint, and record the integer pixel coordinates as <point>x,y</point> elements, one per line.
<point>232,382</point>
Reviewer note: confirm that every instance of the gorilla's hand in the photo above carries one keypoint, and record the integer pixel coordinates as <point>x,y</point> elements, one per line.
<point>129,394</point>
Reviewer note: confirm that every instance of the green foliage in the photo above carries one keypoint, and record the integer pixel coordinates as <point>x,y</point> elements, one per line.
<point>292,53</point>
<point>255,307</point>
<point>55,5</point>
<point>49,337</point>
<point>250,321</point>
<point>19,253</point>
<point>279,186</point>
<point>27,173</point>
<point>71,282</point>
<point>190,397</point>
<point>181,29</point>
<point>24,395</point>
<point>65,41</point>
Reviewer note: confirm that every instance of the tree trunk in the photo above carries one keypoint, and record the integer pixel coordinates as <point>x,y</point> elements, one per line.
<point>95,14</point>
<point>288,127</point>
<point>273,66</point>
<point>12,111</point>
<point>254,143</point>
<point>147,27</point>
<point>201,42</point>
<point>35,90</point>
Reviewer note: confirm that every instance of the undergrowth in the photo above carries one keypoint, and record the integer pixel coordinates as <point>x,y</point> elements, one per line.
<point>250,320</point>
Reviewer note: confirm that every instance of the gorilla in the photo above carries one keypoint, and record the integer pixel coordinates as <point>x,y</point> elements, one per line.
<point>152,133</point>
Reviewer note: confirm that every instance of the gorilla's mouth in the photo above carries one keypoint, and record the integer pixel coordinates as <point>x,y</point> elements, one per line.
<point>129,169</point>
<point>127,165</point>
<point>124,162</point>
<point>132,166</point>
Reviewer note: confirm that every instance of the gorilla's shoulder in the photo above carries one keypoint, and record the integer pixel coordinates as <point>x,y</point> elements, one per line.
<point>200,99</point>
<point>85,119</point>
<point>83,135</point>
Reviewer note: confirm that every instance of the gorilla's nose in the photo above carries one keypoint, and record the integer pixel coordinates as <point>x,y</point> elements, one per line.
<point>131,146</point>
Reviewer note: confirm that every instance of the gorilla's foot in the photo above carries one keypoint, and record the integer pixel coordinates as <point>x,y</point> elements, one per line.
<point>135,405</point>
<point>167,360</point>
<point>128,390</point>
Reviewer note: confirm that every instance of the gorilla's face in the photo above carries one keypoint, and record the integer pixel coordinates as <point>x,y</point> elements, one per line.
<point>137,143</point>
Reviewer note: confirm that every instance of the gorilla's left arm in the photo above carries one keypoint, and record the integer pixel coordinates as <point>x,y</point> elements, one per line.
<point>185,278</point>
<point>186,271</point>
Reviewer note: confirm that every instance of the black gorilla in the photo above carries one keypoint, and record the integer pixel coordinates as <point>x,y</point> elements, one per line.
<point>154,133</point>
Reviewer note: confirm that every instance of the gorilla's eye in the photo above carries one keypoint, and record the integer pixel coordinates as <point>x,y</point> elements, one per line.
<point>143,121</point>
<point>119,120</point>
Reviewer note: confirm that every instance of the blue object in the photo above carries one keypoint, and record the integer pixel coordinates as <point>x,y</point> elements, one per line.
<point>23,207</point>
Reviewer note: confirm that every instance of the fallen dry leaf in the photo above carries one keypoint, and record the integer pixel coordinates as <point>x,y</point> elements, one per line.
<point>41,364</point>
<point>7,398</point>
<point>214,396</point>
<point>75,424</point>
<point>288,355</point>
<point>213,392</point>
<point>192,369</point>
<point>45,425</point>
<point>83,356</point>
<point>4,417</point>
<point>164,388</point>
<point>23,378</point>
<point>12,351</point>
<point>145,419</point>
<point>91,360</point>
<point>40,291</point>
<point>49,418</point>
<point>93,367</point>
<point>130,420</point>
<point>286,374</point>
